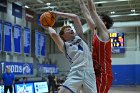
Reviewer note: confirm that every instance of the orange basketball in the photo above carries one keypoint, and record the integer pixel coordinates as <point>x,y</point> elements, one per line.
<point>47,19</point>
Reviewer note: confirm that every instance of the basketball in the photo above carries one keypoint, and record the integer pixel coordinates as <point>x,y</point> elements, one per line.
<point>47,19</point>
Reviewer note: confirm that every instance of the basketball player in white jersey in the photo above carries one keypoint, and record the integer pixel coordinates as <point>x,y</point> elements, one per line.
<point>81,75</point>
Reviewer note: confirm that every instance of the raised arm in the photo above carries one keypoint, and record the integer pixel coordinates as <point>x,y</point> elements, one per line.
<point>87,15</point>
<point>74,18</point>
<point>102,30</point>
<point>58,41</point>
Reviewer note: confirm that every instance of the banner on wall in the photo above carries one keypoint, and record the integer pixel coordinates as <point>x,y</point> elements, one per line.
<point>27,40</point>
<point>38,19</point>
<point>3,5</point>
<point>29,15</point>
<point>43,44</point>
<point>18,68</point>
<point>0,35</point>
<point>17,38</point>
<point>47,69</point>
<point>7,36</point>
<point>37,43</point>
<point>16,10</point>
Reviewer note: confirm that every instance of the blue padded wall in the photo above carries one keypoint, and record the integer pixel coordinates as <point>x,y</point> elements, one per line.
<point>126,74</point>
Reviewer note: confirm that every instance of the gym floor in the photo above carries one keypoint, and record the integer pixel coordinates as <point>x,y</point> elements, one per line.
<point>125,89</point>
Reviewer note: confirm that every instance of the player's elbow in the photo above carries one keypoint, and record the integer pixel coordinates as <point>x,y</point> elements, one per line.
<point>74,16</point>
<point>61,49</point>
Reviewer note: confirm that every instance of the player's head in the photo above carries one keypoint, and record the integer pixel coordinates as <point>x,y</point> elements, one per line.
<point>108,21</point>
<point>66,33</point>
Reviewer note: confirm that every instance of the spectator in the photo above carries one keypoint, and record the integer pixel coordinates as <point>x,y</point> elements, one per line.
<point>51,82</point>
<point>17,80</point>
<point>24,80</point>
<point>8,80</point>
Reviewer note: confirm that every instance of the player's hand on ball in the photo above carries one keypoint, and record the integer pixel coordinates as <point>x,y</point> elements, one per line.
<point>47,19</point>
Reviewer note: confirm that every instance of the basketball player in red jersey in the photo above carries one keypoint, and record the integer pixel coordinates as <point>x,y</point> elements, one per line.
<point>101,43</point>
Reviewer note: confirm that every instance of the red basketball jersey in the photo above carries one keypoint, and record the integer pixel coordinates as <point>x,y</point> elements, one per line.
<point>101,56</point>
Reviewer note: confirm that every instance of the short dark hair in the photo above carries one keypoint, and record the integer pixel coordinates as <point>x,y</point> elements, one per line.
<point>62,30</point>
<point>106,18</point>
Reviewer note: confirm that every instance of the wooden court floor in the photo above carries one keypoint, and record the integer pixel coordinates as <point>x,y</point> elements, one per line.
<point>125,89</point>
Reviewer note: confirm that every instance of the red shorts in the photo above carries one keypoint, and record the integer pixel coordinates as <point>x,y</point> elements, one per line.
<point>104,82</point>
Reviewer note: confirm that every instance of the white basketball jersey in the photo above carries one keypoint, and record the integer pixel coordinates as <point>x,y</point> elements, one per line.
<point>78,53</point>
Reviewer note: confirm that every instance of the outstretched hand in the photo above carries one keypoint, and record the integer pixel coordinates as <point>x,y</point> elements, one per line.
<point>53,14</point>
<point>49,29</point>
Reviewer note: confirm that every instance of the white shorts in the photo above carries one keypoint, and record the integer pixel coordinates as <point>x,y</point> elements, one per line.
<point>81,80</point>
